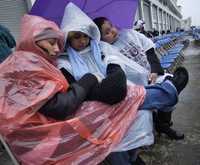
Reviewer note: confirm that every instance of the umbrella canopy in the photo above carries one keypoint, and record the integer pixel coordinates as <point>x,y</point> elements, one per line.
<point>120,12</point>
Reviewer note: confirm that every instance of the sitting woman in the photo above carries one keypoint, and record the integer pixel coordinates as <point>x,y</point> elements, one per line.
<point>135,47</point>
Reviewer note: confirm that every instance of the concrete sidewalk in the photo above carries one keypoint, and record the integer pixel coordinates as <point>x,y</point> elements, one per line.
<point>186,118</point>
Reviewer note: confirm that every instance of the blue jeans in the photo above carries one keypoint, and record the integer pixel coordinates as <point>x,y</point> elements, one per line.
<point>160,96</point>
<point>119,158</point>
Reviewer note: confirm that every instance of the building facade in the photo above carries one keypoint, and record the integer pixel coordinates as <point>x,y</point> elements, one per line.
<point>11,12</point>
<point>159,14</point>
<point>186,23</point>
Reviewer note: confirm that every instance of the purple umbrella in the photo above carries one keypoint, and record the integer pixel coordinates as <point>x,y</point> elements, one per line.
<point>120,12</point>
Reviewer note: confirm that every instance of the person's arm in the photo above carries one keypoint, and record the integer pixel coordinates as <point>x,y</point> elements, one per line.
<point>148,47</point>
<point>154,62</point>
<point>156,68</point>
<point>113,88</point>
<point>65,104</point>
<point>70,79</point>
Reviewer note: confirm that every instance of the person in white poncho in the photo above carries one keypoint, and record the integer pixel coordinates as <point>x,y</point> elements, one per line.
<point>138,48</point>
<point>86,54</point>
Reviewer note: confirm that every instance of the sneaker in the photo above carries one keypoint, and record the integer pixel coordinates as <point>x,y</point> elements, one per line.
<point>180,78</point>
<point>171,133</point>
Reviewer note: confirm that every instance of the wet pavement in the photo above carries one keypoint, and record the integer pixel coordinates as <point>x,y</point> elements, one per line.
<point>186,118</point>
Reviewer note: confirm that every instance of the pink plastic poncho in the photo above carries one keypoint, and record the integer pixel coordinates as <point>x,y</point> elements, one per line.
<point>27,81</point>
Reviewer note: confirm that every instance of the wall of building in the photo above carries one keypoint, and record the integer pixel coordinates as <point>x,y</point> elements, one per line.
<point>11,12</point>
<point>159,14</point>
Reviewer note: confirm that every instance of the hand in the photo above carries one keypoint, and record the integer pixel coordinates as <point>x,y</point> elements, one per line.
<point>152,78</point>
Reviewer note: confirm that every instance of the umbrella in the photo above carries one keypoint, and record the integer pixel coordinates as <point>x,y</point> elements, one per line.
<point>120,12</point>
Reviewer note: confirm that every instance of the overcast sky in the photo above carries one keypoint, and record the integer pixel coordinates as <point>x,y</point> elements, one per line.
<point>191,8</point>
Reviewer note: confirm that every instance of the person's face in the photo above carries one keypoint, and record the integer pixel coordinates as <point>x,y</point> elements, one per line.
<point>79,41</point>
<point>109,33</point>
<point>50,46</point>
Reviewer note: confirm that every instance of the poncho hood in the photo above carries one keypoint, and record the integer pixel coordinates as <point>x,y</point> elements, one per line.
<point>31,27</point>
<point>75,19</point>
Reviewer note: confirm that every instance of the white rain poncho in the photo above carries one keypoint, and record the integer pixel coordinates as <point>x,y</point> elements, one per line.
<point>140,132</point>
<point>133,45</point>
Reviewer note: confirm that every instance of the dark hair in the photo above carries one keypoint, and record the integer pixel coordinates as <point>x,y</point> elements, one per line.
<point>99,21</point>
